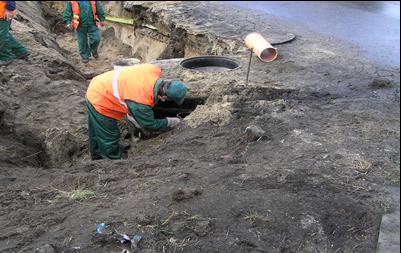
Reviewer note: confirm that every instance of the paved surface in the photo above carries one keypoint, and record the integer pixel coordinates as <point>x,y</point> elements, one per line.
<point>373,25</point>
<point>389,237</point>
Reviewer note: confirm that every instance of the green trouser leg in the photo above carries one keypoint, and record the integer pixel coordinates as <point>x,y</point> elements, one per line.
<point>84,34</point>
<point>9,46</point>
<point>94,38</point>
<point>103,136</point>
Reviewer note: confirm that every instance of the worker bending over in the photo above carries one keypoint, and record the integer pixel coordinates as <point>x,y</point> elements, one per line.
<point>131,90</point>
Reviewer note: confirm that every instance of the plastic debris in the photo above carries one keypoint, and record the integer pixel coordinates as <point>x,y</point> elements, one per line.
<point>99,228</point>
<point>135,241</point>
<point>47,248</point>
<point>104,236</point>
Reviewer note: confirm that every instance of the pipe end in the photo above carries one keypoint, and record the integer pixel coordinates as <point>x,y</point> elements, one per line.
<point>268,54</point>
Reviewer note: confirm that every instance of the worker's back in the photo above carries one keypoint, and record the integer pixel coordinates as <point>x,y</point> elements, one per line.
<point>134,83</point>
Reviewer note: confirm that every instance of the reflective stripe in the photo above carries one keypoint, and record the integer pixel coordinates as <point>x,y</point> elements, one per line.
<point>116,94</point>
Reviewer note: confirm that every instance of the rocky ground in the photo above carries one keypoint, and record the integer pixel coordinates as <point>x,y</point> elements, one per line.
<point>308,175</point>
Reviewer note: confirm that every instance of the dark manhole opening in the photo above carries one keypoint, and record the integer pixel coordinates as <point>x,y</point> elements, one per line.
<point>171,109</point>
<point>210,63</point>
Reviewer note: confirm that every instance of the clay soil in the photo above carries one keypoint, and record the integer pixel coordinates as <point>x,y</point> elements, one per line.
<point>314,182</point>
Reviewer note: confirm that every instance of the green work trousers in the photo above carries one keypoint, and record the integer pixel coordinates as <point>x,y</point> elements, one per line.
<point>10,48</point>
<point>87,34</point>
<point>103,135</point>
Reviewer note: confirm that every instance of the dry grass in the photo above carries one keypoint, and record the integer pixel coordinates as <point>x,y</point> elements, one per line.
<point>360,164</point>
<point>169,218</point>
<point>148,184</point>
<point>77,194</point>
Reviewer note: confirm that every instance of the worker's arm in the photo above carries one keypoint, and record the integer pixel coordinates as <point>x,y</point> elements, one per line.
<point>10,5</point>
<point>145,117</point>
<point>67,13</point>
<point>100,12</point>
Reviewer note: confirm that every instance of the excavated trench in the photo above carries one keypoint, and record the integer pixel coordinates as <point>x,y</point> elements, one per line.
<point>199,57</point>
<point>150,39</point>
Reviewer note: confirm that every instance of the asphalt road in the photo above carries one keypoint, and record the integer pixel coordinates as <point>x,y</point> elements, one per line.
<point>373,26</point>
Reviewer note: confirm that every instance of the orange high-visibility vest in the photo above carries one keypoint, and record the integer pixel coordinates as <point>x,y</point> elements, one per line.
<point>3,9</point>
<point>107,92</point>
<point>76,13</point>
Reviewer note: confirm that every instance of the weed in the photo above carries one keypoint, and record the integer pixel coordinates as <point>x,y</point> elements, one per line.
<point>251,216</point>
<point>80,195</point>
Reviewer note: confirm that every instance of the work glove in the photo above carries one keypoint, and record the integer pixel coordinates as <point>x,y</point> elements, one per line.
<point>173,122</point>
<point>9,15</point>
<point>69,27</point>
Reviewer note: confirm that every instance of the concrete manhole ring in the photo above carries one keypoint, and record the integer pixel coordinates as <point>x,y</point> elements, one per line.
<point>126,62</point>
<point>210,63</point>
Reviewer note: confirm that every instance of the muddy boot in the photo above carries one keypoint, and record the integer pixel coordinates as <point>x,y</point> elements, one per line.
<point>5,63</point>
<point>95,55</point>
<point>85,60</point>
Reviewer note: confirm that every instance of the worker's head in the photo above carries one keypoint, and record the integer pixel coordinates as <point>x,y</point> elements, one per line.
<point>172,90</point>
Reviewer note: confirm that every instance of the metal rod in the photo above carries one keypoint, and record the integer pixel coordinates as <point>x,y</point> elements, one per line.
<point>249,66</point>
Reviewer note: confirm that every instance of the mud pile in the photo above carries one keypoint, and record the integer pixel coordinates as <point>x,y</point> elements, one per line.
<point>308,174</point>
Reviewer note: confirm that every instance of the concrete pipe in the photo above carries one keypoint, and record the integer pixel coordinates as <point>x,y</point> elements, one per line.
<point>263,49</point>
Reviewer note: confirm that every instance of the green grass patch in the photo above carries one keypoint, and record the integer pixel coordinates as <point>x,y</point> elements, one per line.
<point>81,195</point>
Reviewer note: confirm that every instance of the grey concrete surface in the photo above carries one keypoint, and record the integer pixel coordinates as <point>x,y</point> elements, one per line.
<point>374,26</point>
<point>389,237</point>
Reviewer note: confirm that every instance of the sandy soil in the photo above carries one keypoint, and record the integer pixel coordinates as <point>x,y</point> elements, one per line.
<point>313,182</point>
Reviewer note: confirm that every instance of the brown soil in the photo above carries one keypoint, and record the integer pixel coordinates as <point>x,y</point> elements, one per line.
<point>314,182</point>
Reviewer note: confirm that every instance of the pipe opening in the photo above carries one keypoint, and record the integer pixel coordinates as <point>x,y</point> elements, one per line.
<point>161,111</point>
<point>210,63</point>
<point>268,54</point>
<point>171,109</point>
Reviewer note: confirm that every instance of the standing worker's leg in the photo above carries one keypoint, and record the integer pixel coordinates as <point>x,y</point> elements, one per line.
<point>103,135</point>
<point>94,40</point>
<point>82,39</point>
<point>6,56</point>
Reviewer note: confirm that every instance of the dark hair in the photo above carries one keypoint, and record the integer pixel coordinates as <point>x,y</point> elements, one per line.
<point>164,86</point>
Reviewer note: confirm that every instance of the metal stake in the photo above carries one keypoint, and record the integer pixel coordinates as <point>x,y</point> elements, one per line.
<point>249,66</point>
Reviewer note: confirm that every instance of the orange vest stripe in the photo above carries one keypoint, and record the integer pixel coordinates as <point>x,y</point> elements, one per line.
<point>94,13</point>
<point>3,10</point>
<point>116,92</point>
<point>108,91</point>
<point>76,13</point>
